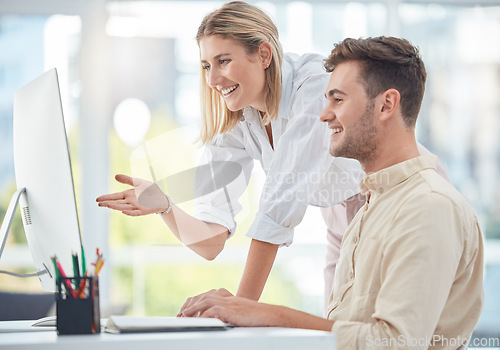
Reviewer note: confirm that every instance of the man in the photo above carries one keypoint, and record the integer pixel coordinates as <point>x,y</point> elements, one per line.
<point>410,267</point>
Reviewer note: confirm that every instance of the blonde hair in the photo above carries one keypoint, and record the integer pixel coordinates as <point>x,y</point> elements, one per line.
<point>250,27</point>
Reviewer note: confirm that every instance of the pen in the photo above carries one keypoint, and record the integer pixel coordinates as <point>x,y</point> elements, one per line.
<point>56,269</point>
<point>84,267</point>
<point>76,270</point>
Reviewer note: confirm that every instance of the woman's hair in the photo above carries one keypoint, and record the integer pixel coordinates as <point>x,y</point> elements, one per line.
<point>250,27</point>
<point>387,63</point>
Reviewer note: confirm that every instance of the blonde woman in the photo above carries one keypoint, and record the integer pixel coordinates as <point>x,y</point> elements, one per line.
<point>257,104</point>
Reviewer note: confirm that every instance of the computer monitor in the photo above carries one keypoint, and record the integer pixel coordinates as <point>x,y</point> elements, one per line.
<point>44,179</point>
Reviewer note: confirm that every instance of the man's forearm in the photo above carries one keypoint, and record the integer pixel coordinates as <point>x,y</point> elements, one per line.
<point>281,316</point>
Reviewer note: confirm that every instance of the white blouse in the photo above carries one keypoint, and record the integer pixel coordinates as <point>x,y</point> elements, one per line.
<point>299,170</point>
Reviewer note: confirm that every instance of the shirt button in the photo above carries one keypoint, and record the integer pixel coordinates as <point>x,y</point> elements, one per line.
<point>355,240</point>
<point>351,274</point>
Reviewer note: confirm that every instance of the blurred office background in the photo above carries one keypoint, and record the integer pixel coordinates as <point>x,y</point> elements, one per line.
<point>129,75</point>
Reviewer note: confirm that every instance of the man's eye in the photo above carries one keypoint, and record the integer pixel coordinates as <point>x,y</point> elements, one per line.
<point>205,67</point>
<point>338,100</point>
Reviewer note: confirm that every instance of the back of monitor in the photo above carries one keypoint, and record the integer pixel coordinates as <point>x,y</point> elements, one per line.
<point>43,167</point>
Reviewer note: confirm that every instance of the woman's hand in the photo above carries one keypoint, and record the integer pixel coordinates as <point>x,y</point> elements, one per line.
<point>204,238</point>
<point>145,198</point>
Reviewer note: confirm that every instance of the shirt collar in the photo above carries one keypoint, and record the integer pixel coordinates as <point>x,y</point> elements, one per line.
<point>251,116</point>
<point>385,179</point>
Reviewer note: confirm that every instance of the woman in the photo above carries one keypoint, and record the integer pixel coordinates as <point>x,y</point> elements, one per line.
<point>258,104</point>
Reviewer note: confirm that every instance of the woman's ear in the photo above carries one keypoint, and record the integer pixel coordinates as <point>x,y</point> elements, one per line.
<point>265,54</point>
<point>389,103</point>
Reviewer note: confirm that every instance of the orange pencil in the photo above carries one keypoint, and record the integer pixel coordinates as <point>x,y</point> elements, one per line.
<point>81,288</point>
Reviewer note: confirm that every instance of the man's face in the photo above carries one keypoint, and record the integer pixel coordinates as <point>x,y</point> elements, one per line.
<point>349,114</point>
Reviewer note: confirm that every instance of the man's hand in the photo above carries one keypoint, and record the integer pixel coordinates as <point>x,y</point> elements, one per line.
<point>194,300</point>
<point>223,305</point>
<point>145,198</point>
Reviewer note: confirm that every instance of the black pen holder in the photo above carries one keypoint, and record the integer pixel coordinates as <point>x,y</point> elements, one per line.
<point>77,302</point>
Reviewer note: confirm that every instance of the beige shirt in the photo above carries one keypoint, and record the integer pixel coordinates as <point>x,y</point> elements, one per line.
<point>410,272</point>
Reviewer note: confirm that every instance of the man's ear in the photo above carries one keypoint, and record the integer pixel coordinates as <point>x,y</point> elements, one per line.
<point>389,103</point>
<point>265,53</point>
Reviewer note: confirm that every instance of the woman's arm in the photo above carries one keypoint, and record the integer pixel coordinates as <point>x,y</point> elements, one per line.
<point>205,239</point>
<point>260,260</point>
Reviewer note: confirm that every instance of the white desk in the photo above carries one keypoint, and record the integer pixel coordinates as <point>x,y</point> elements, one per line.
<point>231,339</point>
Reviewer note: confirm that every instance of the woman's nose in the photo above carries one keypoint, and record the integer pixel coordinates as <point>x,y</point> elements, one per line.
<point>213,77</point>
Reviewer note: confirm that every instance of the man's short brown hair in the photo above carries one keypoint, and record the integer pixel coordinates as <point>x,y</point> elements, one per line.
<point>387,63</point>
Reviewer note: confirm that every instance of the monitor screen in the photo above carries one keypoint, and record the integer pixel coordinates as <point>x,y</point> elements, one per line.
<point>42,166</point>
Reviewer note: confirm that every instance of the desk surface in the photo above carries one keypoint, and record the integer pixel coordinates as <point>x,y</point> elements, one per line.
<point>236,338</point>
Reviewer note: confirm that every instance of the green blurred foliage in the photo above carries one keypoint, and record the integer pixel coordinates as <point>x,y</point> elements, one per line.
<point>16,234</point>
<point>167,287</point>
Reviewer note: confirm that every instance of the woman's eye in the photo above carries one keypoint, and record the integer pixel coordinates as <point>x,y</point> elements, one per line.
<point>205,67</point>
<point>225,61</point>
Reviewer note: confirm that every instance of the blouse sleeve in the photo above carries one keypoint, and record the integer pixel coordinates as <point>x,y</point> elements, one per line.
<point>300,163</point>
<point>221,179</point>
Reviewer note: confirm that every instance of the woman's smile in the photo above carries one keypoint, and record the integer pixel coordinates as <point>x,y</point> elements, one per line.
<point>226,92</point>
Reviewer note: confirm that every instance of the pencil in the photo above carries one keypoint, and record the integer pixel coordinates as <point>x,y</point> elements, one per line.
<point>68,284</point>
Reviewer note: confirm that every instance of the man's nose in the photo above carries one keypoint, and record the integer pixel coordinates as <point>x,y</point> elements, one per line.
<point>326,114</point>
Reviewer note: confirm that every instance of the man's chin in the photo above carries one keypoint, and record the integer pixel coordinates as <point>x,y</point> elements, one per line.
<point>335,151</point>
<point>340,152</point>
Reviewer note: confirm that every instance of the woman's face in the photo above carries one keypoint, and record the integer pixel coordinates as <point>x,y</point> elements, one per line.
<point>236,75</point>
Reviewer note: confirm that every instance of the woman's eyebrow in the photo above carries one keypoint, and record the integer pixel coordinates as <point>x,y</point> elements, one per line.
<point>216,57</point>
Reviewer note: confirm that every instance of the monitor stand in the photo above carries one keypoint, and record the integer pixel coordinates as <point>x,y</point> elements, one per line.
<point>4,231</point>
